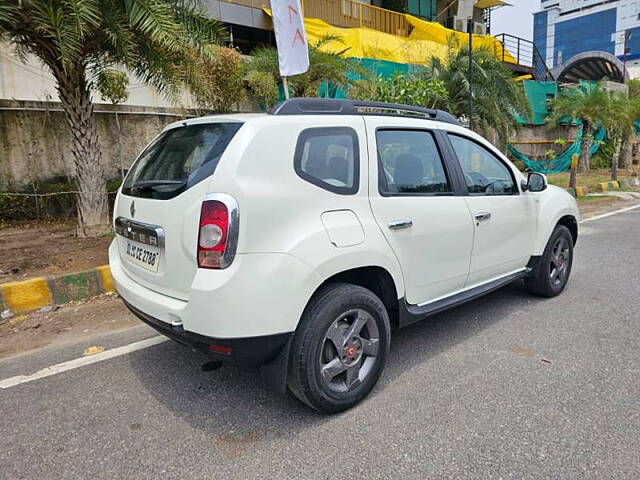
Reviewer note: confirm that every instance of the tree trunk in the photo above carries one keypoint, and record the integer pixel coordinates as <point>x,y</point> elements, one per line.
<point>615,159</point>
<point>625,153</point>
<point>573,181</point>
<point>585,148</point>
<point>75,96</point>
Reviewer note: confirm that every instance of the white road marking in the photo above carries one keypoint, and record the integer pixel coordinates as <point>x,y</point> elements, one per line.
<point>82,362</point>
<point>604,215</point>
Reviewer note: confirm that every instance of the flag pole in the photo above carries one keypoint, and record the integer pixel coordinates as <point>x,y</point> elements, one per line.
<point>285,86</point>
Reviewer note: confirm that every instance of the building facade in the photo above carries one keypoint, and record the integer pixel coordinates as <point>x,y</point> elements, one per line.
<point>564,28</point>
<point>249,26</point>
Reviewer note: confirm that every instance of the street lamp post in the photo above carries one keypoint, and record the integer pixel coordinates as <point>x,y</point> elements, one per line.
<point>470,31</point>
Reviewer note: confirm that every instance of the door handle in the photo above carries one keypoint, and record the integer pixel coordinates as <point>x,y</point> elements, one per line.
<point>400,224</point>
<point>482,217</point>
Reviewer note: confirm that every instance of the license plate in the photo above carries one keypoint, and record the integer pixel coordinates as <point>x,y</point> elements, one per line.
<point>145,256</point>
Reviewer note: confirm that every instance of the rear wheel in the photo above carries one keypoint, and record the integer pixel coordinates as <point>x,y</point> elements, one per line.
<point>553,270</point>
<point>340,348</point>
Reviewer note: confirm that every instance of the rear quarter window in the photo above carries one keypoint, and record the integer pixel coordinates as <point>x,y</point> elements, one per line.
<point>329,158</point>
<point>178,159</point>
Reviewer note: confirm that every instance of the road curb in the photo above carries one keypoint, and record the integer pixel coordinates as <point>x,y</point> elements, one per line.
<point>606,186</point>
<point>578,191</point>
<point>55,290</point>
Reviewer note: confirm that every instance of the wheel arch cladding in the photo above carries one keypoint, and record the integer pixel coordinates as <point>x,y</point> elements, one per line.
<point>571,223</point>
<point>374,278</point>
<point>557,207</point>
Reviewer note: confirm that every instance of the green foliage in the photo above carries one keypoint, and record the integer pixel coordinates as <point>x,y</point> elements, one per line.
<point>406,89</point>
<point>264,87</point>
<point>602,158</point>
<point>112,85</point>
<point>496,97</point>
<point>583,102</point>
<point>218,85</point>
<point>25,205</point>
<point>634,88</point>
<point>329,67</point>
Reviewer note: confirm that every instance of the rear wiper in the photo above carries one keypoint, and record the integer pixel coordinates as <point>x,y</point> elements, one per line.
<point>152,184</point>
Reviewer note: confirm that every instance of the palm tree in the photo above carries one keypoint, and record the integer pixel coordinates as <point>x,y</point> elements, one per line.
<point>618,120</point>
<point>497,98</point>
<point>633,111</point>
<point>586,102</point>
<point>77,39</point>
<point>324,68</point>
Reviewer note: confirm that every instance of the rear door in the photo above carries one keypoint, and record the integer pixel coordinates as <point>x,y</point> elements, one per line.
<point>503,216</point>
<point>415,201</point>
<point>158,209</point>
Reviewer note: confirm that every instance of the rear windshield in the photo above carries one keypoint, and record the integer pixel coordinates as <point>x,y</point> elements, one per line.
<point>178,159</point>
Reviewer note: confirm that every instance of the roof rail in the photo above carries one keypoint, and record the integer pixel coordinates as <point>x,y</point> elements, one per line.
<point>335,106</point>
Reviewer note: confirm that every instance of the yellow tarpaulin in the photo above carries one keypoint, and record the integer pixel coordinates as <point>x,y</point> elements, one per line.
<point>491,3</point>
<point>427,39</point>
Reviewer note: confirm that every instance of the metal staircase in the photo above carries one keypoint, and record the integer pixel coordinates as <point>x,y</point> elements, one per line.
<point>523,57</point>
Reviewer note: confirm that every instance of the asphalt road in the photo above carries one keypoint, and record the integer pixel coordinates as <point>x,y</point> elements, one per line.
<point>465,395</point>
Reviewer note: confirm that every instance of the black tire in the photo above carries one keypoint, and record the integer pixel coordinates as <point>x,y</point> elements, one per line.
<point>542,281</point>
<point>330,311</point>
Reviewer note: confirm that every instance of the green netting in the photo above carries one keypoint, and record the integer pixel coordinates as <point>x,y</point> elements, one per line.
<point>538,94</point>
<point>379,68</point>
<point>562,162</point>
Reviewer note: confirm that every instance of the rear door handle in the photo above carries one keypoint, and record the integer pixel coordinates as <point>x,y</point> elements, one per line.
<point>482,217</point>
<point>400,224</point>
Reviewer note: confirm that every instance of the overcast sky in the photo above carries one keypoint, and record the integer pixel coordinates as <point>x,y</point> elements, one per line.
<point>516,20</point>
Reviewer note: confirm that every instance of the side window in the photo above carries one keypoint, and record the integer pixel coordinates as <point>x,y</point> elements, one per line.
<point>329,158</point>
<point>484,173</point>
<point>410,163</point>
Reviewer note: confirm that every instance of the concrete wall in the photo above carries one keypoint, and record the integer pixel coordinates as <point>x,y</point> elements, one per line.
<point>32,81</point>
<point>537,151</point>
<point>35,139</point>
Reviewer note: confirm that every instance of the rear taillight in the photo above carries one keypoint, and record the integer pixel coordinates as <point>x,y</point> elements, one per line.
<point>217,235</point>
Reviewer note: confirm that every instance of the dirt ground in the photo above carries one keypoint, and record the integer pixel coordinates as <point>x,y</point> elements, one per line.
<point>30,250</point>
<point>69,322</point>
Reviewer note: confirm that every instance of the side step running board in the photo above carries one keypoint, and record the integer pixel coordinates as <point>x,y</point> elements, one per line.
<point>413,313</point>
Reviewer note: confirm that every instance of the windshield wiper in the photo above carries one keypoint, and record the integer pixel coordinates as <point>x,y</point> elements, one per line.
<point>152,184</point>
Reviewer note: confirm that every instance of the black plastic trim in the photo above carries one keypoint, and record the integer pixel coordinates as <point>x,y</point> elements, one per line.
<point>326,131</point>
<point>246,352</point>
<point>335,106</point>
<point>413,313</point>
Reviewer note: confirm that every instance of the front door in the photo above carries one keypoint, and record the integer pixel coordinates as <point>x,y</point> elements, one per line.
<point>503,216</point>
<point>417,208</point>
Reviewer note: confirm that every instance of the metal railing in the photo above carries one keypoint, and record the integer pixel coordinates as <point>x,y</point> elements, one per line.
<point>346,13</point>
<point>521,52</point>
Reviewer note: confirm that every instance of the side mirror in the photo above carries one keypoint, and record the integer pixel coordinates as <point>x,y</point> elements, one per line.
<point>536,182</point>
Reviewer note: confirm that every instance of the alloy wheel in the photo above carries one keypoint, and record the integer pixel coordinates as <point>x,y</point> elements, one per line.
<point>349,350</point>
<point>560,261</point>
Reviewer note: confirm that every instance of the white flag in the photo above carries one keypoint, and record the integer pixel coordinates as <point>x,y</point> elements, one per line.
<point>291,39</point>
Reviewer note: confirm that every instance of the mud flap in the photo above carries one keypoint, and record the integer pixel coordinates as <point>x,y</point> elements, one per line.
<point>274,373</point>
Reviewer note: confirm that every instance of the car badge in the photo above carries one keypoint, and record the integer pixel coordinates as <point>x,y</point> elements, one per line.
<point>132,209</point>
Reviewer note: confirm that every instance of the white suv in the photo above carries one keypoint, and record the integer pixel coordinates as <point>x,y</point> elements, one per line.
<point>297,240</point>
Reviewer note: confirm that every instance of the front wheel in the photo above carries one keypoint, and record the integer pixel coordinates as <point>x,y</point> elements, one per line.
<point>552,273</point>
<point>340,348</point>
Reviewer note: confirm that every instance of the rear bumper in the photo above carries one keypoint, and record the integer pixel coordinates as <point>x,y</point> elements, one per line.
<point>259,295</point>
<point>246,352</point>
